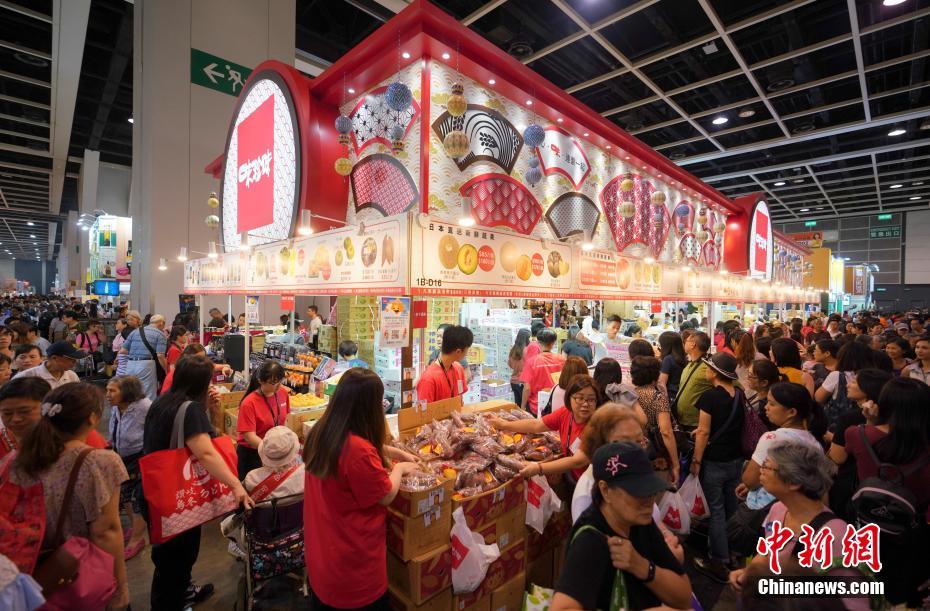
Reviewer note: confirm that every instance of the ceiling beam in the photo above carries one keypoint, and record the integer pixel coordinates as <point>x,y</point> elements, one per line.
<point>860,64</point>
<point>817,182</point>
<point>773,196</point>
<point>481,12</point>
<point>16,8</point>
<point>119,61</point>
<point>69,30</point>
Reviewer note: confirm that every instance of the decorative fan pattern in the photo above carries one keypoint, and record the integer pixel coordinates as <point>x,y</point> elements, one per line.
<point>573,213</point>
<point>498,199</point>
<point>711,253</point>
<point>381,182</point>
<point>643,227</point>
<point>683,216</point>
<point>690,248</point>
<point>372,118</point>
<point>491,136</point>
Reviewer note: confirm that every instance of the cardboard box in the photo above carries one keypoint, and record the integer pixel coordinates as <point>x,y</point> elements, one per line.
<point>540,571</point>
<point>511,563</point>
<point>488,406</point>
<point>412,417</point>
<point>399,602</point>
<point>409,537</point>
<point>423,577</point>
<point>471,602</point>
<point>295,420</point>
<point>509,597</point>
<point>508,529</point>
<point>420,501</point>
<point>230,400</point>
<point>230,420</point>
<point>556,532</point>
<point>482,509</point>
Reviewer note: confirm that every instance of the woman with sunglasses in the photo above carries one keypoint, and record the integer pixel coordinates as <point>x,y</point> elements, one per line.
<point>265,405</point>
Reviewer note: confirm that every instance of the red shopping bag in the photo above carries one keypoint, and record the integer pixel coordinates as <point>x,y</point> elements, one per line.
<point>22,519</point>
<point>179,491</point>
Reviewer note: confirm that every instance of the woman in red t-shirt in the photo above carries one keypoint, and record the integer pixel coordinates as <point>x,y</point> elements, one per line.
<point>569,421</point>
<point>264,406</point>
<point>348,484</point>
<point>177,342</point>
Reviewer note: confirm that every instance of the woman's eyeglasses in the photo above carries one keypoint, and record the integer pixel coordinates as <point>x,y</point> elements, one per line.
<point>584,400</point>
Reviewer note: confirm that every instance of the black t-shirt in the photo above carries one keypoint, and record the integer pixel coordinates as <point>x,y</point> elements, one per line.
<point>673,369</point>
<point>588,573</point>
<point>575,348</point>
<point>159,424</point>
<point>725,447</point>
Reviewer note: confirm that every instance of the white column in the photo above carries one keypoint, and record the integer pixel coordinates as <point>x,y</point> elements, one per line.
<point>180,127</point>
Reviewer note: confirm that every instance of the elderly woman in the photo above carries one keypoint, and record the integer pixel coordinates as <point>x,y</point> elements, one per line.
<point>799,476</point>
<point>126,428</point>
<point>132,321</point>
<point>618,532</point>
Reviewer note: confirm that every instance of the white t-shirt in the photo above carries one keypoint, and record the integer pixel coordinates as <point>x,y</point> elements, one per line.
<point>833,379</point>
<point>916,372</point>
<point>558,397</point>
<point>42,372</point>
<point>760,497</point>
<point>581,500</point>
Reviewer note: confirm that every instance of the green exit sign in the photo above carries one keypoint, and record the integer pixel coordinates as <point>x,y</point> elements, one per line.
<point>884,217</point>
<point>810,223</point>
<point>881,290</point>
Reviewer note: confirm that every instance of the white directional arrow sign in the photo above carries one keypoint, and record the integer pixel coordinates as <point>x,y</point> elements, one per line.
<point>211,73</point>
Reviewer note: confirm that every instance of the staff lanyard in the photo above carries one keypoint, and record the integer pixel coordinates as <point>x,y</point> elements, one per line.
<point>276,411</point>
<point>446,376</point>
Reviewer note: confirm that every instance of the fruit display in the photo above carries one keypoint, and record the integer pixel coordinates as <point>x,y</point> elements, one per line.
<point>448,252</point>
<point>306,400</point>
<point>468,259</point>
<point>469,450</point>
<point>349,248</point>
<point>509,255</point>
<point>369,252</point>
<point>524,267</point>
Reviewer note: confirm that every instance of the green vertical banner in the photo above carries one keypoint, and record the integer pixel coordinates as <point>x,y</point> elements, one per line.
<point>217,73</point>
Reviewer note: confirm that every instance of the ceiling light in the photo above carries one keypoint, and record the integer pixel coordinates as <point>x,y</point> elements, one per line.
<point>897,132</point>
<point>32,235</point>
<point>466,220</point>
<point>747,112</point>
<point>586,134</point>
<point>405,55</point>
<point>182,254</point>
<point>896,186</point>
<point>130,120</point>
<point>529,102</point>
<point>491,81</point>
<point>446,56</point>
<point>913,198</point>
<point>917,184</point>
<point>820,208</point>
<point>719,120</point>
<point>559,120</point>
<point>84,227</point>
<point>608,147</point>
<point>305,227</point>
<point>586,246</point>
<point>709,48</point>
<point>846,259</point>
<point>798,181</point>
<point>780,183</point>
<point>892,2</point>
<point>925,125</point>
<point>162,264</point>
<point>351,90</point>
<point>30,223</point>
<point>686,268</point>
<point>805,209</point>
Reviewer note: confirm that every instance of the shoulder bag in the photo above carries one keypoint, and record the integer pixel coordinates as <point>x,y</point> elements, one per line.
<point>160,372</point>
<point>77,574</point>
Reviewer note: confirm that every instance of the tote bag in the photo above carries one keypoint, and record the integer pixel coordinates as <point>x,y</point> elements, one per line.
<point>181,494</point>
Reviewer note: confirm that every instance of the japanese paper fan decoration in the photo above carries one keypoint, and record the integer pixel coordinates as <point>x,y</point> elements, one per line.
<point>711,254</point>
<point>382,182</point>
<point>573,214</point>
<point>647,226</point>
<point>372,119</point>
<point>499,200</point>
<point>491,136</point>
<point>690,248</point>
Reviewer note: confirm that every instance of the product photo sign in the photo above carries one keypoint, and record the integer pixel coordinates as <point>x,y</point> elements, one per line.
<point>452,260</point>
<point>605,271</point>
<point>395,322</point>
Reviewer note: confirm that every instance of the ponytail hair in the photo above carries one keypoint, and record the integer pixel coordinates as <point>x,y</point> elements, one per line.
<point>270,371</point>
<point>795,396</point>
<point>65,412</point>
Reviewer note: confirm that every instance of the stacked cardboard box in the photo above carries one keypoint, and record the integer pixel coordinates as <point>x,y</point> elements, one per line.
<point>329,339</point>
<point>440,311</point>
<point>358,320</point>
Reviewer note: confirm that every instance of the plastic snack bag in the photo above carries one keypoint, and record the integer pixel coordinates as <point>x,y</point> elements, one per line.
<point>538,599</point>
<point>541,503</point>
<point>470,556</point>
<point>693,496</point>
<point>674,514</point>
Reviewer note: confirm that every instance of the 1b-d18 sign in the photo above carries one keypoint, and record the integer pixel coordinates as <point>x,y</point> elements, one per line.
<point>261,178</point>
<point>761,242</point>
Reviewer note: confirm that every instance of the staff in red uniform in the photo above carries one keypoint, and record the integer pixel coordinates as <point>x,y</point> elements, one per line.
<point>348,485</point>
<point>265,405</point>
<point>445,378</point>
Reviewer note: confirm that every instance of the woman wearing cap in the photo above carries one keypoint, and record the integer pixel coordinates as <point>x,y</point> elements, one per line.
<point>279,474</point>
<point>265,405</point>
<point>618,532</point>
<point>718,458</point>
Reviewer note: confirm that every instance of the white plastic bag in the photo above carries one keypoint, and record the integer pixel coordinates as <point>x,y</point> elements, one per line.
<point>674,513</point>
<point>538,599</point>
<point>470,556</point>
<point>693,496</point>
<point>541,503</point>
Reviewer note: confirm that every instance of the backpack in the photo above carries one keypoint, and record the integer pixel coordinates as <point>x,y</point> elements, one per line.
<point>885,500</point>
<point>838,405</point>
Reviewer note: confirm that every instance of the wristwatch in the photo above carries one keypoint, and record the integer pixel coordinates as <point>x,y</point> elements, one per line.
<point>651,573</point>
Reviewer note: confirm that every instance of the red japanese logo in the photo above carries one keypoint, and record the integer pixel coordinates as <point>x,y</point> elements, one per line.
<point>255,195</point>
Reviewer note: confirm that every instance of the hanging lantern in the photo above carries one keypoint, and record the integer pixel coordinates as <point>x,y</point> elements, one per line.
<point>626,209</point>
<point>676,255</point>
<point>213,201</point>
<point>533,135</point>
<point>397,133</point>
<point>212,221</point>
<point>533,162</point>
<point>658,219</point>
<point>457,104</point>
<point>533,175</point>
<point>343,166</point>
<point>701,235</point>
<point>719,239</point>
<point>702,216</point>
<point>398,96</point>
<point>657,198</point>
<point>627,185</point>
<point>344,127</point>
<point>720,227</point>
<point>456,143</point>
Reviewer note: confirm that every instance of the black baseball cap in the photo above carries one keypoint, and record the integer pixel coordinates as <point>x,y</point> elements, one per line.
<point>626,465</point>
<point>65,349</point>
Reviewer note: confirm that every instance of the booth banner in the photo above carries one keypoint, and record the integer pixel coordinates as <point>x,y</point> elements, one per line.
<point>610,272</point>
<point>395,322</point>
<point>336,262</point>
<point>251,310</point>
<point>452,260</point>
